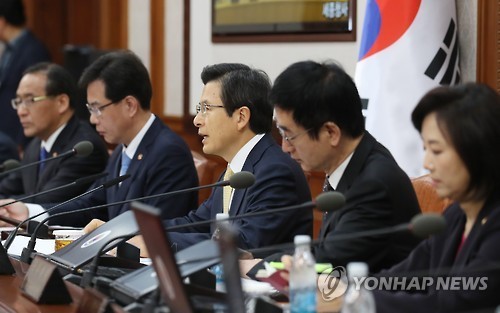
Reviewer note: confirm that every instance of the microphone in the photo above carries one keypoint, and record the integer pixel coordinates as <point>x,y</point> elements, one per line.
<point>26,254</point>
<point>89,275</point>
<point>325,202</point>
<point>424,225</point>
<point>81,149</point>
<point>20,224</point>
<point>421,225</point>
<point>9,164</point>
<point>240,180</point>
<point>76,182</point>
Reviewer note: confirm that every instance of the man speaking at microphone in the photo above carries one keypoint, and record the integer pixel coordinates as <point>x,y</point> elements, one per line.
<point>45,104</point>
<point>119,93</point>
<point>234,119</point>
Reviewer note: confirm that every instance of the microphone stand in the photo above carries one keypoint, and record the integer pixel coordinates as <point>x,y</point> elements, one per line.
<point>83,148</point>
<point>19,224</point>
<point>79,181</point>
<point>26,254</point>
<point>90,274</point>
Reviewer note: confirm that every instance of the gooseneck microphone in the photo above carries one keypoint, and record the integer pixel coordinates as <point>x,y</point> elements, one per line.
<point>81,149</point>
<point>424,225</point>
<point>89,275</point>
<point>240,180</point>
<point>421,225</point>
<point>9,164</point>
<point>76,182</point>
<point>26,254</point>
<point>20,224</point>
<point>325,202</point>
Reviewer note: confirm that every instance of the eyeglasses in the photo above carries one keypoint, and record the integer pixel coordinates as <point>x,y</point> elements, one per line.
<point>27,102</point>
<point>97,111</point>
<point>205,107</point>
<point>290,138</point>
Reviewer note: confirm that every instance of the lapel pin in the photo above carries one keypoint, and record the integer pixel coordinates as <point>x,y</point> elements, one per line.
<point>484,220</point>
<point>139,157</point>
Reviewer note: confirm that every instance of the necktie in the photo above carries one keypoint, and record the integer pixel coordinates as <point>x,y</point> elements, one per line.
<point>43,156</point>
<point>227,191</point>
<point>125,163</point>
<point>326,187</point>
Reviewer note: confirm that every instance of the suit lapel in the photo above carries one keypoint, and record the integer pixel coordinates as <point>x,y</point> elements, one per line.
<point>475,234</point>
<point>253,157</point>
<point>352,170</point>
<point>118,193</point>
<point>31,155</point>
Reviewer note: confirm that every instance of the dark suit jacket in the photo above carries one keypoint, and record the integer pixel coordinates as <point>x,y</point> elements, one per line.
<point>58,172</point>
<point>378,195</point>
<point>27,51</point>
<point>8,149</point>
<point>162,163</point>
<point>478,258</point>
<point>279,182</point>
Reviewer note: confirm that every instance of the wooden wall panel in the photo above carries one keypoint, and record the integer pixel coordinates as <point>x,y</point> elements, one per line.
<point>488,45</point>
<point>101,24</point>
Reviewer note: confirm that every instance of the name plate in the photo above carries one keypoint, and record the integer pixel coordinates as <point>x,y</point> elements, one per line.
<point>43,283</point>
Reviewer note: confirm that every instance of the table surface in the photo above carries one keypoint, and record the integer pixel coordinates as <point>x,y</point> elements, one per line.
<point>13,300</point>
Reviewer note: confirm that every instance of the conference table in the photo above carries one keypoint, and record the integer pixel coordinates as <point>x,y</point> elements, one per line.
<point>13,300</point>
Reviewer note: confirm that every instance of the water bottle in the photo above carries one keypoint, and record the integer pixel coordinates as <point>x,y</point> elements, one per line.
<point>303,277</point>
<point>220,218</point>
<point>217,269</point>
<point>357,300</point>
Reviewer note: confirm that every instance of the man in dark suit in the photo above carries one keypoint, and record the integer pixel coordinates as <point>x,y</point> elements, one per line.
<point>318,113</point>
<point>119,93</point>
<point>45,106</point>
<point>234,118</point>
<point>22,49</point>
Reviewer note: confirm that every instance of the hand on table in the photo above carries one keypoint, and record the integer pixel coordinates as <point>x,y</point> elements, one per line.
<point>17,211</point>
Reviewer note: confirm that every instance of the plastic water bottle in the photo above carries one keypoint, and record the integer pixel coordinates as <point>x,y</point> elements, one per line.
<point>357,300</point>
<point>220,218</point>
<point>303,277</point>
<point>217,269</point>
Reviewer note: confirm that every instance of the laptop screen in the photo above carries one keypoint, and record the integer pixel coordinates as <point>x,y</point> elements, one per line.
<point>82,250</point>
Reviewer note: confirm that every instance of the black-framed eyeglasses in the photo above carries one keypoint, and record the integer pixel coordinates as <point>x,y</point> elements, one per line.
<point>205,107</point>
<point>97,111</point>
<point>27,102</point>
<point>290,138</point>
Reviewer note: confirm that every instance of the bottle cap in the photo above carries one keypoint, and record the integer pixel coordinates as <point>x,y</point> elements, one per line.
<point>221,216</point>
<point>357,269</point>
<point>302,239</point>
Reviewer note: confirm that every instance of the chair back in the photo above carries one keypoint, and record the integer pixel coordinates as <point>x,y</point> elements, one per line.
<point>205,169</point>
<point>428,199</point>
